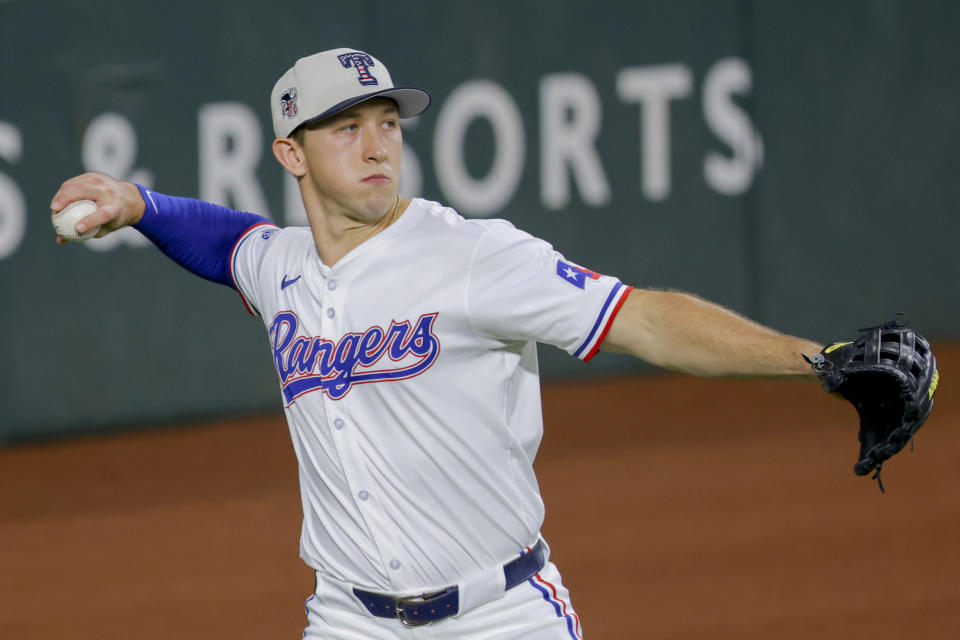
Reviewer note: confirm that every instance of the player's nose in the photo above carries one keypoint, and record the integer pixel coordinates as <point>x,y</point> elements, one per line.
<point>373,146</point>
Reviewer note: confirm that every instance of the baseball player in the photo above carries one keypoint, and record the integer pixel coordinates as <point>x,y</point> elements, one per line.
<point>404,340</point>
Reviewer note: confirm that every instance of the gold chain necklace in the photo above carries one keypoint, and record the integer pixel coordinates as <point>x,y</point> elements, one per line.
<point>396,207</point>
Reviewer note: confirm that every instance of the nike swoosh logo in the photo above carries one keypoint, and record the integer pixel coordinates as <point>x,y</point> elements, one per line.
<point>286,283</point>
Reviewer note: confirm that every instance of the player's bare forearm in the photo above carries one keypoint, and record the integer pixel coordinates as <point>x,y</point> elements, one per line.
<point>119,204</point>
<point>682,332</point>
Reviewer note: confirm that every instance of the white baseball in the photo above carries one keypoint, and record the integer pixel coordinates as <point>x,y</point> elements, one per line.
<point>65,221</point>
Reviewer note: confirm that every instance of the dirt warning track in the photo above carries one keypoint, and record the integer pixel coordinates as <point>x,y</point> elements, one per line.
<point>676,508</point>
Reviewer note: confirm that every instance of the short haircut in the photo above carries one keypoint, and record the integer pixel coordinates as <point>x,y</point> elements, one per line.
<point>299,135</point>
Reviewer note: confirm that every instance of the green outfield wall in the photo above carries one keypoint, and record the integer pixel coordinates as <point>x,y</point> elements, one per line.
<point>795,161</point>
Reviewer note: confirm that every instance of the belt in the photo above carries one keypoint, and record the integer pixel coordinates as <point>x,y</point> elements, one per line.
<point>424,608</point>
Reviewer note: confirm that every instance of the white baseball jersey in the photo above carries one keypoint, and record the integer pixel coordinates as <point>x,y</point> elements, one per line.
<point>410,385</point>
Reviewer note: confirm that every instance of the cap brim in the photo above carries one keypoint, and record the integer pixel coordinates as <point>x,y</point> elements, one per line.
<point>410,102</point>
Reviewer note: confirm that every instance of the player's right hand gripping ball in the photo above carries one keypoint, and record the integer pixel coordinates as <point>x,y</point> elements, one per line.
<point>890,375</point>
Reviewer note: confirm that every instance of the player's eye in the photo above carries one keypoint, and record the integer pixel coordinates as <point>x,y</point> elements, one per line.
<point>391,124</point>
<point>348,128</point>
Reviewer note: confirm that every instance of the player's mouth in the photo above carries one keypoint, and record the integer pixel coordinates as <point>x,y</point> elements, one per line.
<point>377,179</point>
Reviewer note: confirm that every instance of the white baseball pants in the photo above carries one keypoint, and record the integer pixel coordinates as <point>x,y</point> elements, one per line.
<point>538,609</point>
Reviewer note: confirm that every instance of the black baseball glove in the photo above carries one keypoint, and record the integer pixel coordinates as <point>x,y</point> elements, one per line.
<point>890,375</point>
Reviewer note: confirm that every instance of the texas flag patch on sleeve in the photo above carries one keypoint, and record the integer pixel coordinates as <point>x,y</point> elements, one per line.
<point>575,275</point>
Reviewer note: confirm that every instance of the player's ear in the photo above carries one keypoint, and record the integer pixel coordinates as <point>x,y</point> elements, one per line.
<point>289,154</point>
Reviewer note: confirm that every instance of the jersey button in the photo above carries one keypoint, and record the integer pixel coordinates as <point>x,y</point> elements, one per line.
<point>338,424</point>
<point>394,564</point>
<point>331,313</point>
<point>331,284</point>
<point>363,495</point>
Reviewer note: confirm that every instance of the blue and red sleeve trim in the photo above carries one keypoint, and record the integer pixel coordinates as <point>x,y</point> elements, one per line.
<point>246,235</point>
<point>611,306</point>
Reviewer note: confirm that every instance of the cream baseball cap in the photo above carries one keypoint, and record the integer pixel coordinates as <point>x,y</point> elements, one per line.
<point>330,81</point>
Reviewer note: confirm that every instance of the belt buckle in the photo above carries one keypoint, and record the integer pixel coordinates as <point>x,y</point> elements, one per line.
<point>422,598</point>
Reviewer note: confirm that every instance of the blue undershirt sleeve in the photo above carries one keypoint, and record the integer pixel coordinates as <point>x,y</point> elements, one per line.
<point>197,235</point>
